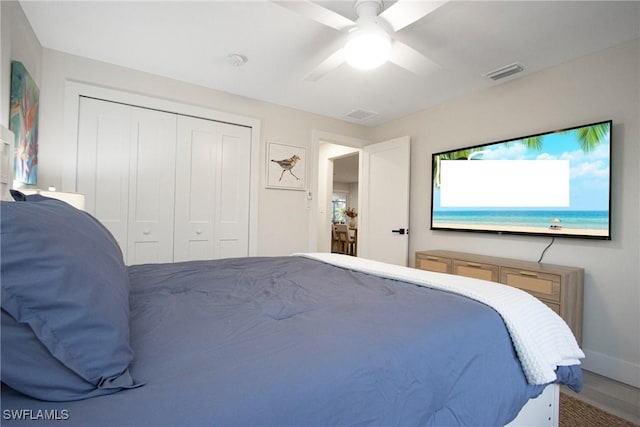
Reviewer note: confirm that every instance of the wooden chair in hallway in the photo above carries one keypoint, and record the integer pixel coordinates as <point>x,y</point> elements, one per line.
<point>335,241</point>
<point>345,240</point>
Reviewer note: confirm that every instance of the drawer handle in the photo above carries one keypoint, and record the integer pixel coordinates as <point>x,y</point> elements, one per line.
<point>474,264</point>
<point>433,258</point>
<point>529,273</point>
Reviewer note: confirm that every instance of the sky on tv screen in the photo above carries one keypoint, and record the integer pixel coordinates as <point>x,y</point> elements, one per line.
<point>559,173</point>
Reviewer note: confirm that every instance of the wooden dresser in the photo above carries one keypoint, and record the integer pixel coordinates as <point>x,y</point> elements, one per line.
<point>559,287</point>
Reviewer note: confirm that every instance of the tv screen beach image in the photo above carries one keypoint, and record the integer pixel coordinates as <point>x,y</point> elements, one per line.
<point>556,183</point>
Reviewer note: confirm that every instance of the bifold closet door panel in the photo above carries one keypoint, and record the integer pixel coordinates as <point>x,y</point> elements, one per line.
<point>169,187</point>
<point>151,186</point>
<point>234,179</point>
<point>126,169</point>
<point>102,169</point>
<point>212,190</point>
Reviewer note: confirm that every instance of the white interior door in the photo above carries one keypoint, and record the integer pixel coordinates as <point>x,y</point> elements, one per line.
<point>151,186</point>
<point>384,201</point>
<point>169,187</point>
<point>233,185</point>
<point>212,190</point>
<point>126,169</point>
<point>102,170</point>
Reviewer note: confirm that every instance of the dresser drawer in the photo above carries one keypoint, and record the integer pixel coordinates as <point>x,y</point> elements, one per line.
<point>542,285</point>
<point>476,270</point>
<point>558,287</point>
<point>433,263</point>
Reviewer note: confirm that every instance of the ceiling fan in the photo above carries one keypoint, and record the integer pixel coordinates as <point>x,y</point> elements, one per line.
<point>369,40</point>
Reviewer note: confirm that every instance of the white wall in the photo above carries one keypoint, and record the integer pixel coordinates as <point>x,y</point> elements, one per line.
<point>601,86</point>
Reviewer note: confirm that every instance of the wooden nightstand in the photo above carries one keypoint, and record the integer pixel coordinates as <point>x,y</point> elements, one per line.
<point>559,287</point>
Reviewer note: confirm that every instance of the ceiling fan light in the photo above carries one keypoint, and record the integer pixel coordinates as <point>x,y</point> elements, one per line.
<point>367,49</point>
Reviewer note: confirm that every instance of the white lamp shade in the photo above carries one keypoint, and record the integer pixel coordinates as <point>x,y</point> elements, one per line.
<point>367,48</point>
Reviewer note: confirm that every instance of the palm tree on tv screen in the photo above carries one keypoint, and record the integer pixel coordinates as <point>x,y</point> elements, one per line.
<point>454,155</point>
<point>588,138</point>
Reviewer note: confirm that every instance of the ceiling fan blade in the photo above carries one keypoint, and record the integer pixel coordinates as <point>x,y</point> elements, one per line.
<point>332,62</point>
<point>317,13</point>
<point>404,13</point>
<point>410,59</point>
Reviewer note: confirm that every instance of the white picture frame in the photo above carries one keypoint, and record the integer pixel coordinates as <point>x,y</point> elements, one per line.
<point>286,166</point>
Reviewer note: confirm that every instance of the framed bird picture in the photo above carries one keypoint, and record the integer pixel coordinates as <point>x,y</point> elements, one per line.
<point>286,166</point>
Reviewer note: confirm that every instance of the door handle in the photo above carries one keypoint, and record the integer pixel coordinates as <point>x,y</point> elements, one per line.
<point>401,231</point>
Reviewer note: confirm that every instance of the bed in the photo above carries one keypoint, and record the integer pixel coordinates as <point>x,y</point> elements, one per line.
<point>307,339</point>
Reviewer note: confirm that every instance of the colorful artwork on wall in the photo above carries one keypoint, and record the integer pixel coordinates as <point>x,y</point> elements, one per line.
<point>23,121</point>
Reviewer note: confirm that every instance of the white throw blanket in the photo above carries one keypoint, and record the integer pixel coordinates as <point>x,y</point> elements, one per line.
<point>542,340</point>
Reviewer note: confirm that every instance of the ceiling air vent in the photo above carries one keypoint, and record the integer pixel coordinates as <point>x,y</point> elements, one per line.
<point>361,114</point>
<point>506,71</point>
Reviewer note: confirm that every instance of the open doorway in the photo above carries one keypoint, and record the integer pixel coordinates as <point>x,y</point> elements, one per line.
<point>344,204</point>
<point>345,188</point>
<point>338,189</point>
<point>384,180</point>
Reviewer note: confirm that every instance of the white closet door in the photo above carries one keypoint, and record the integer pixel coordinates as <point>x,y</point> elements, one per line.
<point>234,178</point>
<point>212,190</point>
<point>102,170</point>
<point>126,169</point>
<point>151,186</point>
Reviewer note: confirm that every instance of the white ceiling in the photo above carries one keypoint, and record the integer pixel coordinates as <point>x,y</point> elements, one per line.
<point>189,41</point>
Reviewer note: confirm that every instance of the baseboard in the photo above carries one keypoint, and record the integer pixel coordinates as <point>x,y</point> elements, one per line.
<point>617,369</point>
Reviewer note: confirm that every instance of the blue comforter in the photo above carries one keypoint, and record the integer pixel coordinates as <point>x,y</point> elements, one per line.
<point>290,341</point>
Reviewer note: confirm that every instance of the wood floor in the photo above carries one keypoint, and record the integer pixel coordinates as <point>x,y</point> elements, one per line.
<point>614,397</point>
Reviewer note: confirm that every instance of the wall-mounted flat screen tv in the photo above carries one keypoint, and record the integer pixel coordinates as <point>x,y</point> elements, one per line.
<point>556,183</point>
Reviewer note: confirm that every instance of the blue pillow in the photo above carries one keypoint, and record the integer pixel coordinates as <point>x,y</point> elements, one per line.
<point>28,366</point>
<point>64,278</point>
